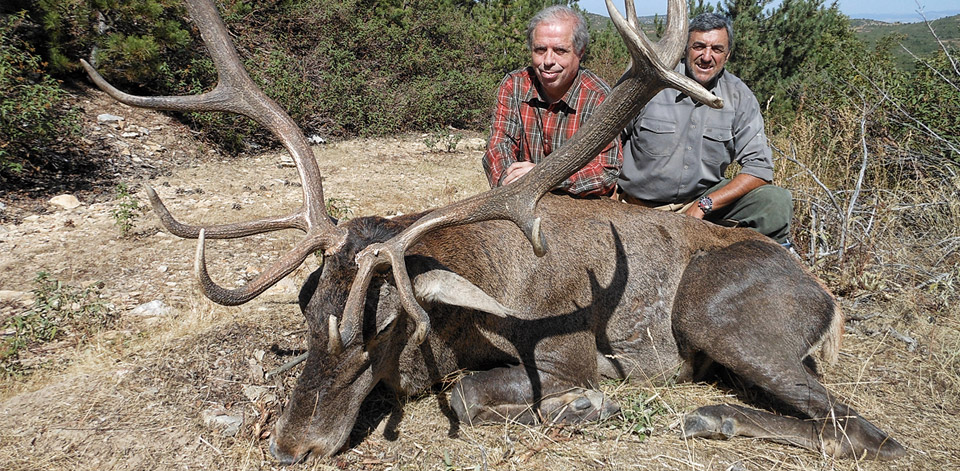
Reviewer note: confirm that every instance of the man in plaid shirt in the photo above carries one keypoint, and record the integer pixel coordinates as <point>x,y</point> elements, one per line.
<point>541,106</point>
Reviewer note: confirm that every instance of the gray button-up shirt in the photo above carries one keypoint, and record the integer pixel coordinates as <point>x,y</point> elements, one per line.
<point>676,148</point>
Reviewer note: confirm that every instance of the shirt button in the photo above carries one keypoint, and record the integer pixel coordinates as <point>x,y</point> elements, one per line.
<point>686,167</point>
<point>693,125</point>
<point>689,148</point>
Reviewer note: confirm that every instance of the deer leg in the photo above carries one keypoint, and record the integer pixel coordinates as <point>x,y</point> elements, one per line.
<point>760,323</point>
<point>835,428</point>
<point>507,393</point>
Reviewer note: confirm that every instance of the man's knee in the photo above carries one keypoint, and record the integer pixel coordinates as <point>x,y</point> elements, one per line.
<point>768,209</point>
<point>775,200</point>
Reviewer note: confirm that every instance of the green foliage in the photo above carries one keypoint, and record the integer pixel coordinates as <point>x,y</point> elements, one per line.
<point>33,112</point>
<point>58,310</point>
<point>442,140</point>
<point>776,51</point>
<point>338,209</point>
<point>127,210</point>
<point>638,414</point>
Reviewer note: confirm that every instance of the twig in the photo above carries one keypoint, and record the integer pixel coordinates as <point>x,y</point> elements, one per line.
<point>286,366</point>
<point>932,68</point>
<point>856,189</point>
<point>210,445</point>
<point>812,175</point>
<point>911,343</point>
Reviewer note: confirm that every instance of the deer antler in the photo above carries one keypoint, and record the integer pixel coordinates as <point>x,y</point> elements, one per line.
<point>651,71</point>
<point>237,93</point>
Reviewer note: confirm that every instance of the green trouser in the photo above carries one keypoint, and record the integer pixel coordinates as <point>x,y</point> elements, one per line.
<point>767,209</point>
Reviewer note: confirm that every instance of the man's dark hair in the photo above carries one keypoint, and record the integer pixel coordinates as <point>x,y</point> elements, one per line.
<point>581,37</point>
<point>710,22</point>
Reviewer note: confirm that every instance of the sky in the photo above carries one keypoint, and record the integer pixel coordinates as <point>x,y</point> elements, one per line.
<point>885,10</point>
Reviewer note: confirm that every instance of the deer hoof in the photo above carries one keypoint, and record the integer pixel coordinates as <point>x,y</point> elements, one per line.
<point>703,423</point>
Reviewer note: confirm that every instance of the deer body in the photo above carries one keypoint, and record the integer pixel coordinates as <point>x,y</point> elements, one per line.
<point>681,293</point>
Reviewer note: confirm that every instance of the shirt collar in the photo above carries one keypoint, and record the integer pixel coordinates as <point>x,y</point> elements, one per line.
<point>569,100</point>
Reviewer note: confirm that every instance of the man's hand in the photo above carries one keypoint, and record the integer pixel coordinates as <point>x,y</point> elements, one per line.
<point>694,210</point>
<point>515,171</point>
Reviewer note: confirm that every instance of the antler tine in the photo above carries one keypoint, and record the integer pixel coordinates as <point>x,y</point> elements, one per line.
<point>269,277</point>
<point>237,93</point>
<point>675,36</point>
<point>223,231</point>
<point>651,71</point>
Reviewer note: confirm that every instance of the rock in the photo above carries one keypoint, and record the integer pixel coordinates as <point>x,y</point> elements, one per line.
<point>33,218</point>
<point>19,297</point>
<point>473,143</point>
<point>155,308</point>
<point>315,139</point>
<point>286,161</point>
<point>108,118</point>
<point>286,288</point>
<point>130,134</point>
<point>65,201</point>
<point>256,371</point>
<point>220,419</point>
<point>258,393</point>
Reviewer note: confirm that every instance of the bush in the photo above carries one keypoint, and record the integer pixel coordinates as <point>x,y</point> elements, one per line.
<point>59,310</point>
<point>34,114</point>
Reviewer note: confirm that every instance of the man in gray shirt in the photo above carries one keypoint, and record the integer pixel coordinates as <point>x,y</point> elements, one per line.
<point>676,151</point>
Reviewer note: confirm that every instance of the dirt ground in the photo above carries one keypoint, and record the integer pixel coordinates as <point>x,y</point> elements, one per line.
<point>141,393</point>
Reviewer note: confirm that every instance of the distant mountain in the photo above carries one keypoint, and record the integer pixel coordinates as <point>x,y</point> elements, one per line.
<point>911,17</point>
<point>916,37</point>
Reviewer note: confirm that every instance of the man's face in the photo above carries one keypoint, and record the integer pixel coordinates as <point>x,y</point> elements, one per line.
<point>554,58</point>
<point>707,52</point>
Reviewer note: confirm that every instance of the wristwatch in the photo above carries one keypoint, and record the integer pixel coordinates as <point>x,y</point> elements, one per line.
<point>705,204</point>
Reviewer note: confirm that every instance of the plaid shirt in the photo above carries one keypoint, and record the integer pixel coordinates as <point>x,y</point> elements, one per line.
<point>526,128</point>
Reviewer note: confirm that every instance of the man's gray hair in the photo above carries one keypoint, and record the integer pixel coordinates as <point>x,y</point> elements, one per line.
<point>710,22</point>
<point>581,37</point>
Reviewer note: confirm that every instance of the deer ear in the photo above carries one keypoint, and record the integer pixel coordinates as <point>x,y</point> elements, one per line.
<point>447,287</point>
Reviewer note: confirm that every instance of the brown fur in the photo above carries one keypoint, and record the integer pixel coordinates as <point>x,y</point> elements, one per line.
<point>624,291</point>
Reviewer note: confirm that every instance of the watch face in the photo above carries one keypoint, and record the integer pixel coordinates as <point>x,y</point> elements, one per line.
<point>705,204</point>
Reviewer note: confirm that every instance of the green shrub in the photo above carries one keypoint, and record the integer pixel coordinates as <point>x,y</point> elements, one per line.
<point>34,114</point>
<point>126,211</point>
<point>58,310</point>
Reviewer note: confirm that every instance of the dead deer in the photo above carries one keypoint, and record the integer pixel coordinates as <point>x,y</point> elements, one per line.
<point>622,292</point>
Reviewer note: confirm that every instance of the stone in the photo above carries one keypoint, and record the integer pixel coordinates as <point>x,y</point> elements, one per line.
<point>228,423</point>
<point>155,308</point>
<point>258,393</point>
<point>108,118</point>
<point>65,201</point>
<point>19,297</point>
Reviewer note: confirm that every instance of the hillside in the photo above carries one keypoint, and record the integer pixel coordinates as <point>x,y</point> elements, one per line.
<point>916,37</point>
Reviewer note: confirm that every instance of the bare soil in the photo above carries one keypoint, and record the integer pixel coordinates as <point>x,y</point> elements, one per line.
<point>134,395</point>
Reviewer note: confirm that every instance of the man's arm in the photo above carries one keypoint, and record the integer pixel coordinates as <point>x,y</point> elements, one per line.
<point>751,151</point>
<point>506,131</point>
<point>740,185</point>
